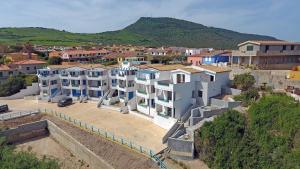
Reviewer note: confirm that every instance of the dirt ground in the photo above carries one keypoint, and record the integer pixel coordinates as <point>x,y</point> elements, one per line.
<point>53,150</point>
<point>139,130</point>
<point>117,156</point>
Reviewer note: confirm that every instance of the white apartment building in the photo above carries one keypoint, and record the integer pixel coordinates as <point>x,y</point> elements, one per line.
<point>90,81</point>
<point>164,93</point>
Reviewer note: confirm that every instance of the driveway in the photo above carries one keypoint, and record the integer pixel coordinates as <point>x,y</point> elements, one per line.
<point>139,130</point>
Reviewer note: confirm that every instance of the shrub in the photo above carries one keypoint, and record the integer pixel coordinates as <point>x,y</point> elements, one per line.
<point>12,85</point>
<point>243,81</point>
<point>18,160</point>
<point>268,138</point>
<point>55,61</point>
<point>248,97</point>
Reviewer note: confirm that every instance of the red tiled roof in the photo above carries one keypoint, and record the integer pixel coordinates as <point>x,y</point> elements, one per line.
<point>29,62</point>
<point>123,55</point>
<point>74,52</point>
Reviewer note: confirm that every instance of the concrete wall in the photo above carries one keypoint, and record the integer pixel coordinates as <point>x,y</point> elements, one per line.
<point>77,148</point>
<point>26,131</point>
<point>231,91</point>
<point>181,149</point>
<point>224,104</point>
<point>29,91</point>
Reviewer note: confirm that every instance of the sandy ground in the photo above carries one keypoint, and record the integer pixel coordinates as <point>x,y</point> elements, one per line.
<point>132,127</point>
<point>53,150</point>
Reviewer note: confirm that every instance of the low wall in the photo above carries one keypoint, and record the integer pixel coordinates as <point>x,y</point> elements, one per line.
<point>77,148</point>
<point>181,149</point>
<point>44,128</point>
<point>29,91</point>
<point>171,131</point>
<point>25,131</point>
<point>225,104</point>
<point>231,91</point>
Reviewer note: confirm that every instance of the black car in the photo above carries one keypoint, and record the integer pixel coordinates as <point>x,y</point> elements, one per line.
<point>3,108</point>
<point>65,102</point>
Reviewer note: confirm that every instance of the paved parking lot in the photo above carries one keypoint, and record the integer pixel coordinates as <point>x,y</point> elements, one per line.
<point>132,127</point>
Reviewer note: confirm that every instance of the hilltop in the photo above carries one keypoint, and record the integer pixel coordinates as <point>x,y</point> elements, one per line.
<point>145,31</point>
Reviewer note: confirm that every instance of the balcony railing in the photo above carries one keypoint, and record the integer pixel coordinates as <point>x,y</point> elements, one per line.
<point>122,86</point>
<point>143,105</point>
<point>142,91</point>
<point>75,85</point>
<point>141,78</point>
<point>164,114</point>
<point>163,99</point>
<point>164,83</point>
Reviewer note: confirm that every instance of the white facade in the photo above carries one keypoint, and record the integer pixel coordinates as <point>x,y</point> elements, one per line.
<point>164,95</point>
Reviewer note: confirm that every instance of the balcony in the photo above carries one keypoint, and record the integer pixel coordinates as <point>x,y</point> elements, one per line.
<point>164,83</point>
<point>142,91</point>
<point>75,85</point>
<point>164,102</point>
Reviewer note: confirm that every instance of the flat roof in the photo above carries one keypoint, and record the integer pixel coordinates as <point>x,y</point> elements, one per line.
<point>190,70</point>
<point>162,67</point>
<point>268,42</point>
<point>214,68</point>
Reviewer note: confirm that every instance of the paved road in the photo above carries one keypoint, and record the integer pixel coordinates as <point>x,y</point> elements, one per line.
<point>132,127</point>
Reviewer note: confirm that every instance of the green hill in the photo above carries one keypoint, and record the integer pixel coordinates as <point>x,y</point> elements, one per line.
<point>146,31</point>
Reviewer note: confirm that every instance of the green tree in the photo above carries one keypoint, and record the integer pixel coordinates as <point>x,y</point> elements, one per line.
<point>55,61</point>
<point>267,137</point>
<point>12,85</point>
<point>243,81</point>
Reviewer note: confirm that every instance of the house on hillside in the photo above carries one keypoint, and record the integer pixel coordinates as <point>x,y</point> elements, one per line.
<point>6,72</point>
<point>28,66</point>
<point>209,57</point>
<point>267,54</point>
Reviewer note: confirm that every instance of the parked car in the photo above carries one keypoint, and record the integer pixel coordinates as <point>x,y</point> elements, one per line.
<point>3,108</point>
<point>65,102</point>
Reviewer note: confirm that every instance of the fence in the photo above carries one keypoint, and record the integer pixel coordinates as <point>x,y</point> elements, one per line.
<point>12,115</point>
<point>109,136</point>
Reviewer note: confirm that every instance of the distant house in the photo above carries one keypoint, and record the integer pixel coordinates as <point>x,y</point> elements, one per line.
<point>6,72</point>
<point>209,57</point>
<point>16,57</point>
<point>54,54</point>
<point>130,56</point>
<point>83,55</point>
<point>267,54</point>
<point>28,66</point>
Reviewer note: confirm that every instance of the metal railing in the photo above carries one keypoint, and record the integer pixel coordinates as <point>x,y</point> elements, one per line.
<point>13,115</point>
<point>109,136</point>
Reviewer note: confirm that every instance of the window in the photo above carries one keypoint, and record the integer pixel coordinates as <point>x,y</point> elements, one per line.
<point>10,73</point>
<point>200,93</point>
<point>27,68</point>
<point>1,74</point>
<point>293,47</point>
<point>212,78</point>
<point>267,48</point>
<point>284,47</point>
<point>249,48</point>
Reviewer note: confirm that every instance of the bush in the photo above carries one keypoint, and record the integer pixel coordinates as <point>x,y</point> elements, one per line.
<point>243,81</point>
<point>55,61</point>
<point>20,160</point>
<point>29,79</point>
<point>248,97</point>
<point>269,138</point>
<point>12,85</point>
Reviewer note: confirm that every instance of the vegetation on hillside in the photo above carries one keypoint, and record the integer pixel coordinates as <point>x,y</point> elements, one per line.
<point>146,31</point>
<point>268,137</point>
<point>9,159</point>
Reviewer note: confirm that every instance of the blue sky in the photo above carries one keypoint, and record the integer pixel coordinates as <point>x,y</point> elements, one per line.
<point>279,18</point>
